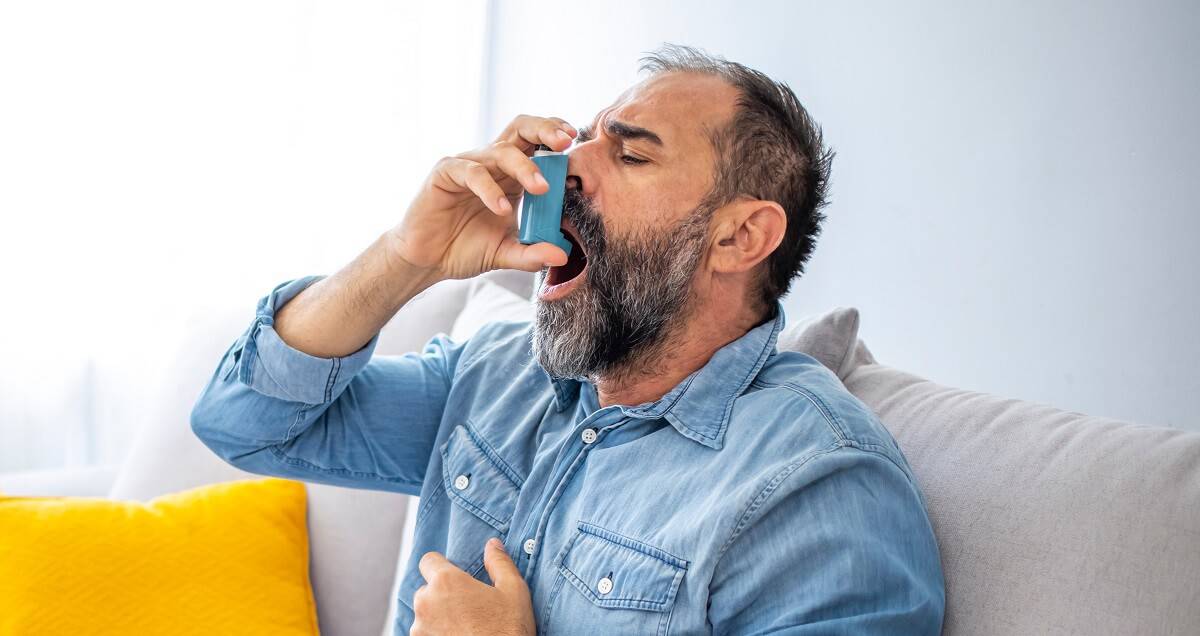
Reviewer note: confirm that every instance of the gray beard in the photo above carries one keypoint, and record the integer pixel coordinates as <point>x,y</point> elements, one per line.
<point>635,290</point>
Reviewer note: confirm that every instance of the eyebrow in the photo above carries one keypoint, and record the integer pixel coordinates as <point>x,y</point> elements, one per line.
<point>622,130</point>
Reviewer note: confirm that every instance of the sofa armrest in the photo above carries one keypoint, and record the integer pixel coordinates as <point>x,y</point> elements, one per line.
<point>83,481</point>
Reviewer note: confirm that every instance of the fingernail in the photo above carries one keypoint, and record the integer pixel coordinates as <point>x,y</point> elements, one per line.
<point>540,179</point>
<point>563,135</point>
<point>494,542</point>
<point>567,128</point>
<point>503,204</point>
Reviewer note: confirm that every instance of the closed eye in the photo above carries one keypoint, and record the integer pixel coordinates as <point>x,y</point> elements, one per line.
<point>631,160</point>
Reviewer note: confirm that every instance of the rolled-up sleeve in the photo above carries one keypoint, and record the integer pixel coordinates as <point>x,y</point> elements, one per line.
<point>357,421</point>
<point>837,543</point>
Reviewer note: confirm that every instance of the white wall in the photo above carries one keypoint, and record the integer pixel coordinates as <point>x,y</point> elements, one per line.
<point>1015,198</point>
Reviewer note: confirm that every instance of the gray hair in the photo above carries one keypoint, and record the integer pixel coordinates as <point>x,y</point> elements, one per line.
<point>772,150</point>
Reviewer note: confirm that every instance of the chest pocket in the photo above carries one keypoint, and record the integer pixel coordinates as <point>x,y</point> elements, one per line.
<point>613,584</point>
<point>483,490</point>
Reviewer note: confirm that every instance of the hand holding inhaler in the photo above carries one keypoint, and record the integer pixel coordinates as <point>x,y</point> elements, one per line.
<point>463,221</point>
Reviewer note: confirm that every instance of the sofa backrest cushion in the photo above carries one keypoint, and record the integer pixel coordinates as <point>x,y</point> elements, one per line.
<point>1048,521</point>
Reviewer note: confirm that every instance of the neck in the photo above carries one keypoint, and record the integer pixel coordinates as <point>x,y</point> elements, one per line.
<point>684,349</point>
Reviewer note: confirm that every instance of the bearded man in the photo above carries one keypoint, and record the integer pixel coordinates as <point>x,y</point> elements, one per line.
<point>640,458</point>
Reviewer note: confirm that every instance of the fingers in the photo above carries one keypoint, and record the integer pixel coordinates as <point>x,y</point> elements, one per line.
<point>507,159</point>
<point>473,176</point>
<point>527,131</point>
<point>530,258</point>
<point>509,156</point>
<point>433,564</point>
<point>498,160</point>
<point>500,567</point>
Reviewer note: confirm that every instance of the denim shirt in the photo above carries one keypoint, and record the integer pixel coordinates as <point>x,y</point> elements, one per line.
<point>758,495</point>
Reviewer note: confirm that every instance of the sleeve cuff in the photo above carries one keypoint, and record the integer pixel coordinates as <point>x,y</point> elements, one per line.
<point>270,366</point>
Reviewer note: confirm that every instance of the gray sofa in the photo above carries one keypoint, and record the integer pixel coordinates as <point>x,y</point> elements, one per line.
<point>1048,521</point>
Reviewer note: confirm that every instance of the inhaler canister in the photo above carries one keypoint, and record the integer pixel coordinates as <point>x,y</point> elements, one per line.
<point>541,214</point>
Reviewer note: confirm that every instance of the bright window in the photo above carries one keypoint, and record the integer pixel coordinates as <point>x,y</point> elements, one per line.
<point>163,165</point>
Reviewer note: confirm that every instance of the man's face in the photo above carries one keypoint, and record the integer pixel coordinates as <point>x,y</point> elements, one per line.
<point>637,177</point>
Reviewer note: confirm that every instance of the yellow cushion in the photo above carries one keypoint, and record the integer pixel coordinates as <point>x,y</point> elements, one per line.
<point>228,558</point>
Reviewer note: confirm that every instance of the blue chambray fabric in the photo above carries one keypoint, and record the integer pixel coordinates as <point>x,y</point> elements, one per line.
<point>756,496</point>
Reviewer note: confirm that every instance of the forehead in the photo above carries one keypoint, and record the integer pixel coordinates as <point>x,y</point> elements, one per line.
<point>679,107</point>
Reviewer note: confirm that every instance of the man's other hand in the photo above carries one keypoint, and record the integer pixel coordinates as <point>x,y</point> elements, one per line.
<point>454,602</point>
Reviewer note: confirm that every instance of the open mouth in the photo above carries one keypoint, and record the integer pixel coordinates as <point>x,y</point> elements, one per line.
<point>576,260</point>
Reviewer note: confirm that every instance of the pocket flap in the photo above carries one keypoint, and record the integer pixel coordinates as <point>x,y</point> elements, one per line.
<point>613,570</point>
<point>478,480</point>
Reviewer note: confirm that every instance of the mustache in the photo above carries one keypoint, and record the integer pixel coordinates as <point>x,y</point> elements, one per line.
<point>581,212</point>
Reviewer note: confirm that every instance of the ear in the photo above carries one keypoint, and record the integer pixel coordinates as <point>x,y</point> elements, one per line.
<point>747,231</point>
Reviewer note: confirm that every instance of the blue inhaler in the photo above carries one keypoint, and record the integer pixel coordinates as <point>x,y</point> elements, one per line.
<point>541,214</point>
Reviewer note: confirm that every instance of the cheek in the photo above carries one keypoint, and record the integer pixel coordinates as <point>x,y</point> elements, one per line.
<point>661,208</point>
<point>630,206</point>
<point>617,207</point>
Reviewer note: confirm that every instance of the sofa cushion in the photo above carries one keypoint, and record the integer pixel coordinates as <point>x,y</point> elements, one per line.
<point>830,337</point>
<point>487,302</point>
<point>226,558</point>
<point>1048,520</point>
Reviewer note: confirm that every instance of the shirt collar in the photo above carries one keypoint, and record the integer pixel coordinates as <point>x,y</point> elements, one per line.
<point>699,406</point>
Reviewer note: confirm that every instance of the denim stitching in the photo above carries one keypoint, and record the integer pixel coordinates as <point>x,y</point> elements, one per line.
<point>287,437</point>
<point>666,620</point>
<point>771,486</point>
<point>512,475</point>
<point>765,494</point>
<point>639,547</point>
<point>307,465</point>
<point>334,364</point>
<point>501,525</point>
<point>626,602</point>
<point>554,593</point>
<point>831,418</point>
<point>282,388</point>
<point>427,504</point>
<point>764,355</point>
<point>633,544</point>
<point>469,506</point>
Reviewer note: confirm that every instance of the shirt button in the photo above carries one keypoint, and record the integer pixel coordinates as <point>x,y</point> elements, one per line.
<point>589,435</point>
<point>461,482</point>
<point>605,585</point>
<point>530,545</point>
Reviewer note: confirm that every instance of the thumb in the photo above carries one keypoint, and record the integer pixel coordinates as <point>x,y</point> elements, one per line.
<point>516,255</point>
<point>500,567</point>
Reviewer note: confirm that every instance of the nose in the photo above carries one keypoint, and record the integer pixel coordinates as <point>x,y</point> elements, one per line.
<point>575,168</point>
<point>582,161</point>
